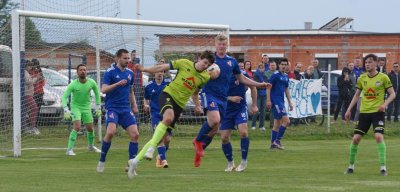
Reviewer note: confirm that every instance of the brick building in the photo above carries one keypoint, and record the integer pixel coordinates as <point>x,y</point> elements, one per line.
<point>335,47</point>
<point>56,55</point>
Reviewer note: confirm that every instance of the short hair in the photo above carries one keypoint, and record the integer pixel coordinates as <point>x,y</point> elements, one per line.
<point>284,60</point>
<point>80,65</point>
<point>133,51</point>
<point>120,52</point>
<point>209,55</point>
<point>221,37</point>
<point>372,56</point>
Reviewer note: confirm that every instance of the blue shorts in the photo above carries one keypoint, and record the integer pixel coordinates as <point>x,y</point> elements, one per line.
<point>211,103</point>
<point>155,119</point>
<point>233,118</point>
<point>125,119</point>
<point>279,111</point>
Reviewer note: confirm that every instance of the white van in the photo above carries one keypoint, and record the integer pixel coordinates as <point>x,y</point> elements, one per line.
<point>5,80</point>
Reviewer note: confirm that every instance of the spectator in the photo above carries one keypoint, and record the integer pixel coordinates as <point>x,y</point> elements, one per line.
<point>260,77</point>
<point>317,73</point>
<point>297,70</point>
<point>309,72</point>
<point>272,69</point>
<point>290,74</point>
<point>138,88</point>
<point>30,105</point>
<point>381,65</point>
<point>345,86</point>
<point>247,68</point>
<point>353,80</point>
<point>394,78</point>
<point>265,61</point>
<point>38,91</point>
<point>358,67</point>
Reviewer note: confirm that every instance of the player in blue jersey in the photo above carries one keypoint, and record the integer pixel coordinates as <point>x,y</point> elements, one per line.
<point>151,98</point>
<point>120,105</point>
<point>275,99</point>
<point>236,116</point>
<point>214,96</point>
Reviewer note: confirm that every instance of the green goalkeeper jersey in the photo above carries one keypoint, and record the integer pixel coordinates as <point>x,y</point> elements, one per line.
<point>81,94</point>
<point>187,80</point>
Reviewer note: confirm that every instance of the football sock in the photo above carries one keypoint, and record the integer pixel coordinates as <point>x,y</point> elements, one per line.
<point>161,152</point>
<point>133,149</point>
<point>227,149</point>
<point>382,153</point>
<point>205,129</point>
<point>274,135</point>
<point>104,150</point>
<point>90,137</point>
<point>353,152</point>
<point>72,138</point>
<point>207,141</point>
<point>244,146</point>
<point>281,132</point>
<point>157,136</point>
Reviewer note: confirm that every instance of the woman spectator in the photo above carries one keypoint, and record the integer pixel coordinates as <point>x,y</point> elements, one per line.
<point>345,86</point>
<point>38,91</point>
<point>247,67</point>
<point>30,105</point>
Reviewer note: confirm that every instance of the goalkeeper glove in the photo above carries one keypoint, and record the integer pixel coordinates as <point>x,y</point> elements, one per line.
<point>97,112</point>
<point>67,114</point>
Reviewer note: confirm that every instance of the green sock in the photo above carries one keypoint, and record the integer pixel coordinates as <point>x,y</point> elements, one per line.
<point>382,153</point>
<point>159,133</point>
<point>353,152</point>
<point>72,138</point>
<point>90,138</point>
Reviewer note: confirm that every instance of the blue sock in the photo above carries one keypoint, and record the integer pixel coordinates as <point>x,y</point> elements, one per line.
<point>104,150</point>
<point>274,135</point>
<point>244,146</point>
<point>207,141</point>
<point>281,132</point>
<point>133,149</point>
<point>166,148</point>
<point>161,152</point>
<point>205,129</point>
<point>227,149</point>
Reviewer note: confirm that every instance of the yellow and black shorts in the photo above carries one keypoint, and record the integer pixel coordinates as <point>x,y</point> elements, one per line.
<point>167,102</point>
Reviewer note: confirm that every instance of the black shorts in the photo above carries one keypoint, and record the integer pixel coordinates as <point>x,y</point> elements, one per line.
<point>365,120</point>
<point>167,102</point>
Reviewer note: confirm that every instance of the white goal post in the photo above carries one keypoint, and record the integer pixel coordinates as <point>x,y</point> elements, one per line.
<point>151,34</point>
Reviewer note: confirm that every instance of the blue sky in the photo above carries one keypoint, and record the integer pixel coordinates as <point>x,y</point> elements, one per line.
<point>369,15</point>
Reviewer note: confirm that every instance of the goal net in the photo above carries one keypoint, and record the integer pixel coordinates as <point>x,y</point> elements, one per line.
<point>52,45</point>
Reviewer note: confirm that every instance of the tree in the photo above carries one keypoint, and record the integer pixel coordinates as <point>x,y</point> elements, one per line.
<point>32,34</point>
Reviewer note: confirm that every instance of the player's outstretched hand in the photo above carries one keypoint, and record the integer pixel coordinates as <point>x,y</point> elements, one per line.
<point>254,109</point>
<point>382,108</point>
<point>268,85</point>
<point>269,104</point>
<point>290,106</point>
<point>347,115</point>
<point>97,112</point>
<point>139,67</point>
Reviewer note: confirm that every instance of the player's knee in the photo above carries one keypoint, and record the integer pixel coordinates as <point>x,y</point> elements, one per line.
<point>134,137</point>
<point>168,121</point>
<point>243,134</point>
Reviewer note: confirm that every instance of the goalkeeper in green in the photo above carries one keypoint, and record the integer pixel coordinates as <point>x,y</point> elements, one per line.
<point>81,108</point>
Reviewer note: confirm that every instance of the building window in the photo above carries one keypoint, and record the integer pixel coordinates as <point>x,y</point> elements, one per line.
<point>274,57</point>
<point>325,59</point>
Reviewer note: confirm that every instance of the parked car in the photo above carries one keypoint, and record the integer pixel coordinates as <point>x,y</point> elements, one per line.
<point>335,74</point>
<point>5,86</point>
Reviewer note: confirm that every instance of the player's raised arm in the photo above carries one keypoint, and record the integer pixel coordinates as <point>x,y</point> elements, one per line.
<point>153,69</point>
<point>245,80</point>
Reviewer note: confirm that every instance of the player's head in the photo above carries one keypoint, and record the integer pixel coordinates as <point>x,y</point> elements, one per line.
<point>133,54</point>
<point>221,44</point>
<point>122,57</point>
<point>205,60</point>
<point>160,75</point>
<point>81,71</point>
<point>370,62</point>
<point>283,65</point>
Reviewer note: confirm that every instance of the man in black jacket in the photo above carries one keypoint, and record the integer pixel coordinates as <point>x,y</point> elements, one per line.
<point>394,77</point>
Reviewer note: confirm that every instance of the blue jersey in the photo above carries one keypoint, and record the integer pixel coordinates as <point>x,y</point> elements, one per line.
<point>152,92</point>
<point>237,89</point>
<point>219,87</point>
<point>279,81</point>
<point>118,98</point>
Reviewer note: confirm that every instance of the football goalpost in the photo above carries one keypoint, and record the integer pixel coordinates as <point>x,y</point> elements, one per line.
<point>49,39</point>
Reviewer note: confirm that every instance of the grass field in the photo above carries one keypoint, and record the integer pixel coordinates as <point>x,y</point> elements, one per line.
<point>311,162</point>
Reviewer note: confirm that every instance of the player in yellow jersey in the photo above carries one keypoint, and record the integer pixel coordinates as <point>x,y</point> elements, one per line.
<point>189,79</point>
<point>373,86</point>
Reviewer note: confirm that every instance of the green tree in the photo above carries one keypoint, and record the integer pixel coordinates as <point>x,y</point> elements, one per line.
<point>32,34</point>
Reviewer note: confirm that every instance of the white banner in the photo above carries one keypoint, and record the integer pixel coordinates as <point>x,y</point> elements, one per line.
<point>306,98</point>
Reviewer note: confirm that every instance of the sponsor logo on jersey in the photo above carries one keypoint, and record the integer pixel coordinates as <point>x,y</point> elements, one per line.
<point>371,94</point>
<point>378,83</point>
<point>189,83</point>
